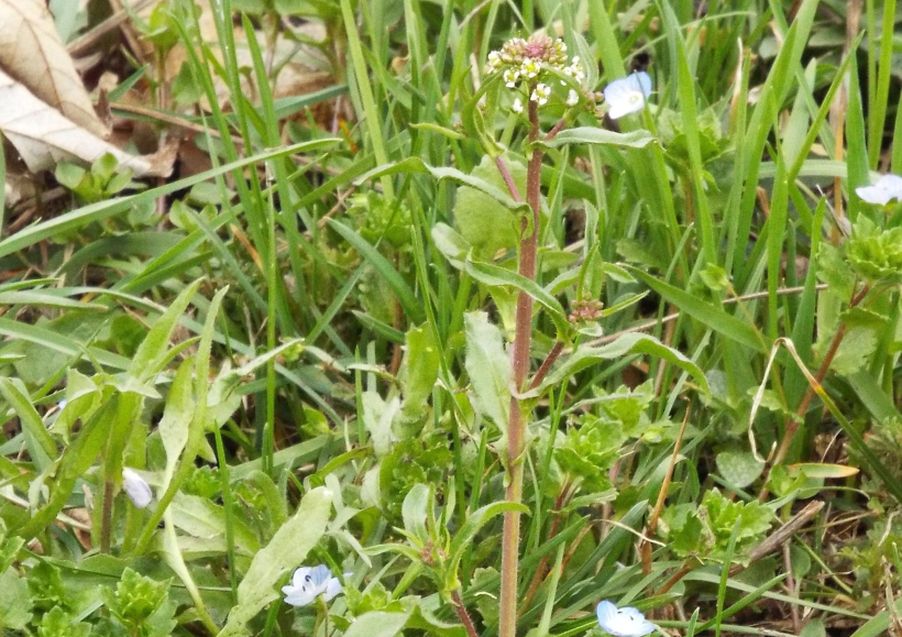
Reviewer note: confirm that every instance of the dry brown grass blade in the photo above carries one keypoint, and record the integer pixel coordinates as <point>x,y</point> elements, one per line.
<point>32,53</point>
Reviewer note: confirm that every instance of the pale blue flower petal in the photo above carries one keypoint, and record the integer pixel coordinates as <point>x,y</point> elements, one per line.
<point>308,583</point>
<point>623,622</point>
<point>332,590</point>
<point>136,488</point>
<point>627,95</point>
<point>881,192</point>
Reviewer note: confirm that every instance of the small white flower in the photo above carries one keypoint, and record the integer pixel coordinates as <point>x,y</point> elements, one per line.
<point>540,94</point>
<point>628,94</point>
<point>494,61</point>
<point>517,106</point>
<point>575,70</point>
<point>136,488</point>
<point>510,78</point>
<point>308,583</point>
<point>622,622</point>
<point>530,68</point>
<point>572,98</point>
<point>884,190</point>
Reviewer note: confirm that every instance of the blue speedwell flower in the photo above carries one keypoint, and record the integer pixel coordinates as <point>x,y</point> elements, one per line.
<point>308,583</point>
<point>628,94</point>
<point>622,622</point>
<point>882,191</point>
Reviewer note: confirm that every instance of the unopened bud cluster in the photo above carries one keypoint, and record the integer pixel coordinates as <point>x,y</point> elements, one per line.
<point>529,62</point>
<point>585,311</point>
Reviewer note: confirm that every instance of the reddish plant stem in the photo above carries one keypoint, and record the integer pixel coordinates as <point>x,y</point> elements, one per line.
<point>510,535</point>
<point>508,179</point>
<point>545,367</point>
<point>793,425</point>
<point>652,524</point>
<point>557,128</point>
<point>680,573</point>
<point>463,615</point>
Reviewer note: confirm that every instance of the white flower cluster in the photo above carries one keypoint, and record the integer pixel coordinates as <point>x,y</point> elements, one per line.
<point>575,70</point>
<point>532,63</point>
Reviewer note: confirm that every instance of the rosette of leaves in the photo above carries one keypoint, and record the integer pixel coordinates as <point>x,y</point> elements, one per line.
<point>629,408</point>
<point>874,253</point>
<point>706,530</point>
<point>885,440</point>
<point>58,623</point>
<point>379,219</point>
<point>716,151</point>
<point>142,605</point>
<point>418,460</point>
<point>869,554</point>
<point>589,450</point>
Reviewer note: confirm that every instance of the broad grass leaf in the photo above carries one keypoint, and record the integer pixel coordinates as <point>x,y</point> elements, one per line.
<point>594,135</point>
<point>176,421</point>
<point>152,351</point>
<point>484,222</point>
<point>95,212</point>
<point>414,511</point>
<point>412,307</point>
<point>707,313</point>
<point>15,601</point>
<point>632,343</point>
<point>494,275</point>
<point>286,551</point>
<point>200,518</point>
<point>738,468</point>
<point>488,366</point>
<point>824,470</point>
<point>40,445</point>
<point>419,373</point>
<point>77,458</point>
<point>378,624</point>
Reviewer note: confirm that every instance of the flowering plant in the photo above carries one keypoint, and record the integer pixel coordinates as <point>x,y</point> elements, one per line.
<point>622,622</point>
<point>308,583</point>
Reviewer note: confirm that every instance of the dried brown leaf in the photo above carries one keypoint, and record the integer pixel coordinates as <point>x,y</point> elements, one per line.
<point>32,53</point>
<point>44,136</point>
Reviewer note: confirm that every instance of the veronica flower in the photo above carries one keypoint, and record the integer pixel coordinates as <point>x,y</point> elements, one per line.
<point>884,190</point>
<point>622,622</point>
<point>628,94</point>
<point>308,583</point>
<point>136,488</point>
